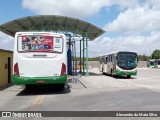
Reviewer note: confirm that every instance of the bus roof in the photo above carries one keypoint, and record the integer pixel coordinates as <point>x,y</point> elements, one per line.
<point>48,33</point>
<point>116,52</point>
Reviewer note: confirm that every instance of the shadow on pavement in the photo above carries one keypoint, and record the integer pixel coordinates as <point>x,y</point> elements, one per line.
<point>123,77</point>
<point>95,74</point>
<point>44,90</point>
<point>119,77</point>
<point>5,87</point>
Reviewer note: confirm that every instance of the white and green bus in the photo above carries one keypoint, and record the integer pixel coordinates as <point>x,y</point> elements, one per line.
<point>119,63</point>
<point>39,58</point>
<point>157,63</point>
<point>151,63</point>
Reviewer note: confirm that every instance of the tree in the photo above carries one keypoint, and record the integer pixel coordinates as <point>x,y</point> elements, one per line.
<point>143,58</point>
<point>156,54</point>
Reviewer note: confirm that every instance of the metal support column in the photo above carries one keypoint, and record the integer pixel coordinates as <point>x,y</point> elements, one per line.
<point>80,58</point>
<point>83,53</point>
<point>69,56</point>
<point>75,58</point>
<point>87,74</point>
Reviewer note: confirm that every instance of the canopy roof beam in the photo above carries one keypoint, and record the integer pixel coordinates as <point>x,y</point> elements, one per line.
<point>20,24</point>
<point>8,31</point>
<point>32,23</point>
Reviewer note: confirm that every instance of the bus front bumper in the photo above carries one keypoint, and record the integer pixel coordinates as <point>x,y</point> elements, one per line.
<point>39,80</point>
<point>126,72</point>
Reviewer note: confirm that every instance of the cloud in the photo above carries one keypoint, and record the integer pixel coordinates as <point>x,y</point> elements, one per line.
<point>155,4</point>
<point>138,29</point>
<point>7,42</point>
<point>136,20</point>
<point>74,8</point>
<point>140,44</point>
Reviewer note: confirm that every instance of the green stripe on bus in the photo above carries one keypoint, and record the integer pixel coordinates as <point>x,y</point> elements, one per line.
<point>125,73</point>
<point>34,80</point>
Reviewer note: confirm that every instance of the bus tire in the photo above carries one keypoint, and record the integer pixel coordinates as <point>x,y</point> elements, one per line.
<point>112,72</point>
<point>103,72</point>
<point>128,76</point>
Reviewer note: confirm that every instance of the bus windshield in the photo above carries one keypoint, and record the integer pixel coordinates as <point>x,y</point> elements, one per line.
<point>151,63</point>
<point>40,43</point>
<point>127,60</point>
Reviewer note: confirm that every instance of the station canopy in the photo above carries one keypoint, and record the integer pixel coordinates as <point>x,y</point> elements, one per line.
<point>53,23</point>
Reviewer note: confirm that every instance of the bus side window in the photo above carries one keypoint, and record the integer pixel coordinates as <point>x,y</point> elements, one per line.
<point>103,60</point>
<point>111,58</point>
<point>106,60</point>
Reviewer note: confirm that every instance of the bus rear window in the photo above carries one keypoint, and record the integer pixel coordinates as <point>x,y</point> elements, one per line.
<point>39,43</point>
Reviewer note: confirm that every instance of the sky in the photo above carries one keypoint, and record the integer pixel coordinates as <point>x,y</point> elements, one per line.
<point>130,25</point>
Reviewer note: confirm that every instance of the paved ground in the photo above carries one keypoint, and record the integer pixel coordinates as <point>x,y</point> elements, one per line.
<point>103,93</point>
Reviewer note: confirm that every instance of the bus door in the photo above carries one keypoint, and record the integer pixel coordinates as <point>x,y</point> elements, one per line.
<point>114,63</point>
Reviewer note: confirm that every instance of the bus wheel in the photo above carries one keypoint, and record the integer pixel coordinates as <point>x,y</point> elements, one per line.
<point>103,72</point>
<point>112,72</point>
<point>128,76</point>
